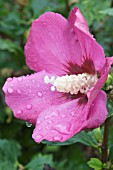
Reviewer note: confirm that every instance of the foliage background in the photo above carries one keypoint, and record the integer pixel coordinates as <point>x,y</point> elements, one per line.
<point>17,148</point>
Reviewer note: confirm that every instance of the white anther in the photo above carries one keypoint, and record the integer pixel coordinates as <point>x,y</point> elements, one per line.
<point>72,83</point>
<point>52,88</point>
<point>46,79</point>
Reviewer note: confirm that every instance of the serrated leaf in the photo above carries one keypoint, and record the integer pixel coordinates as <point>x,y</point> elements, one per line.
<point>95,163</point>
<point>83,137</point>
<point>37,163</point>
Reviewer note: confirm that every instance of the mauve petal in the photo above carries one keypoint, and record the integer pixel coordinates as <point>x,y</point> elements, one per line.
<point>59,123</point>
<point>98,111</point>
<point>52,44</point>
<point>90,48</point>
<point>27,96</point>
<point>77,19</point>
<point>92,93</point>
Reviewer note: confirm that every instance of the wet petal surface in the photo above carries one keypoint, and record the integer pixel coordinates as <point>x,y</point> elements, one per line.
<point>27,96</point>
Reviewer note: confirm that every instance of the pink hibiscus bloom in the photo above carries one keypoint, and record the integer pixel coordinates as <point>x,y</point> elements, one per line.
<point>64,96</point>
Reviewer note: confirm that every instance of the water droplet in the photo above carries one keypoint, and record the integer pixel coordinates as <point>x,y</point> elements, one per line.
<point>45,23</point>
<point>33,81</point>
<point>73,114</point>
<point>35,112</point>
<point>53,114</point>
<point>39,137</point>
<point>19,112</point>
<point>19,78</point>
<point>39,128</point>
<point>10,90</point>
<point>11,85</point>
<point>9,79</point>
<point>38,122</point>
<point>29,106</point>
<point>61,129</point>
<point>47,128</point>
<point>63,116</point>
<point>28,124</point>
<point>57,138</point>
<point>18,91</point>
<point>39,94</point>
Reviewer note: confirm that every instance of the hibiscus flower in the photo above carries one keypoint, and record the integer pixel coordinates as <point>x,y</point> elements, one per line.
<point>64,96</point>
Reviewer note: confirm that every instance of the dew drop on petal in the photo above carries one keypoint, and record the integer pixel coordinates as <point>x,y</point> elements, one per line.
<point>19,112</point>
<point>39,94</point>
<point>9,79</point>
<point>38,122</point>
<point>61,129</point>
<point>47,128</point>
<point>19,78</point>
<point>18,91</point>
<point>39,136</point>
<point>29,106</point>
<point>63,116</point>
<point>39,128</point>
<point>57,138</point>
<point>10,90</point>
<point>28,124</point>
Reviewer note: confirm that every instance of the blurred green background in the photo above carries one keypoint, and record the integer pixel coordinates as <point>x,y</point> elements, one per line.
<point>17,148</point>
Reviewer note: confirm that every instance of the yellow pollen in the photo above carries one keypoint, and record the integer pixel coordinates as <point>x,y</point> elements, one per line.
<point>72,83</point>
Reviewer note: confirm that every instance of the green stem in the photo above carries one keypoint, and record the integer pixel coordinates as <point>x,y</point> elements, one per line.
<point>67,5</point>
<point>104,156</point>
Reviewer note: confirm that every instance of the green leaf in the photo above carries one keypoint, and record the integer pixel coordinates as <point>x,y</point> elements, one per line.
<point>38,5</point>
<point>108,11</point>
<point>95,163</point>
<point>86,138</point>
<point>9,152</point>
<point>111,154</point>
<point>37,163</point>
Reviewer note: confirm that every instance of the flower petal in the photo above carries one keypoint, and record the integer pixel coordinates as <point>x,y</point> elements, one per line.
<point>77,19</point>
<point>92,93</point>
<point>59,123</point>
<point>98,111</point>
<point>28,96</point>
<point>52,44</point>
<point>90,48</point>
<point>62,122</point>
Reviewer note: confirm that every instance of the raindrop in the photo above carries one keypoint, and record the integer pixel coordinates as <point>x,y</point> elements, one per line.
<point>39,128</point>
<point>53,114</point>
<point>39,94</point>
<point>33,81</point>
<point>9,79</point>
<point>39,136</point>
<point>57,138</point>
<point>47,128</point>
<point>28,124</point>
<point>38,122</point>
<point>45,23</point>
<point>29,106</point>
<point>63,116</point>
<point>19,112</point>
<point>11,85</point>
<point>19,78</point>
<point>61,129</point>
<point>18,91</point>
<point>10,90</point>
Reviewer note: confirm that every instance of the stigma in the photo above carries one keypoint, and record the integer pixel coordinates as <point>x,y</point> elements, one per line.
<point>72,84</point>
